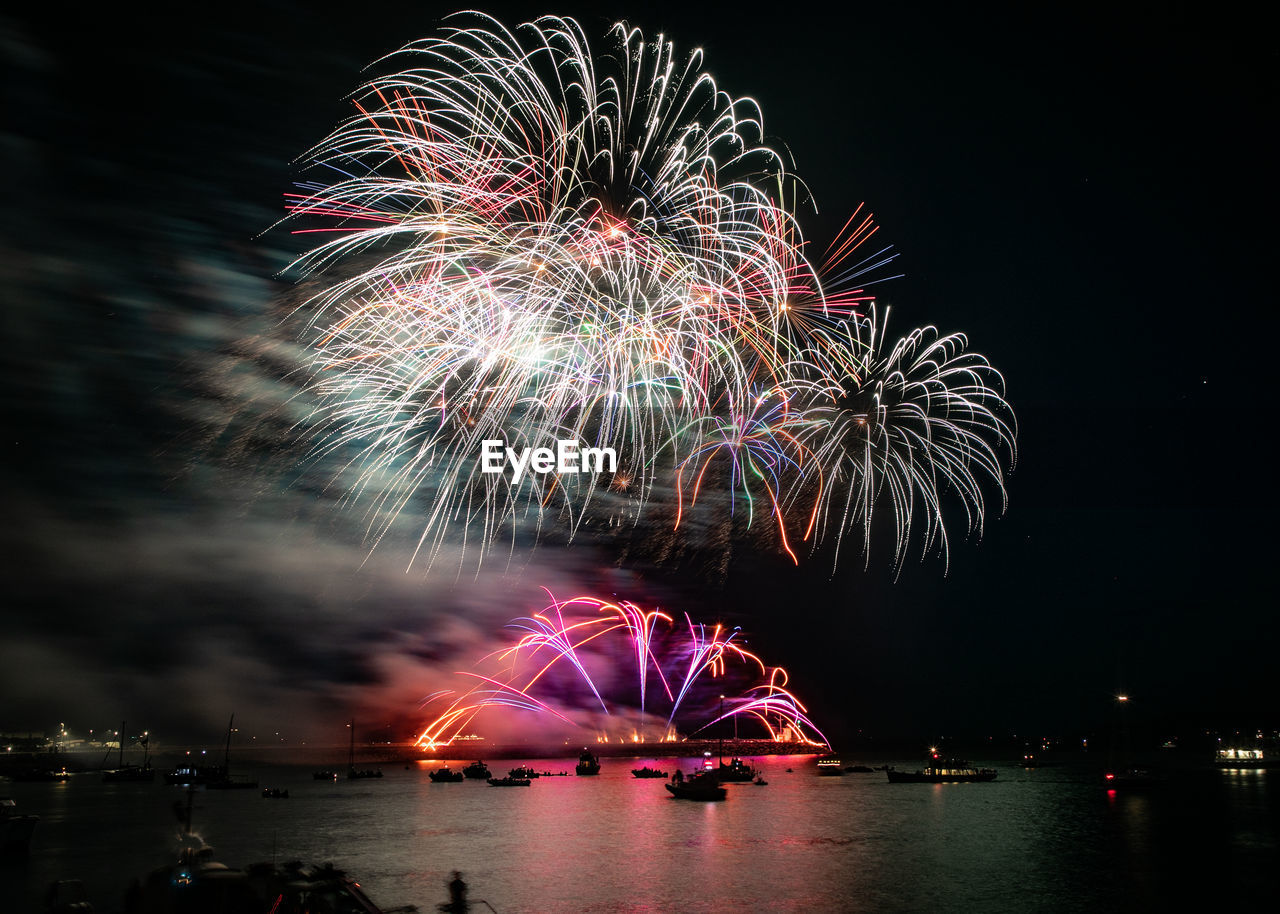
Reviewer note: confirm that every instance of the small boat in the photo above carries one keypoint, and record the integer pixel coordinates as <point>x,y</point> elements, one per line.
<point>647,772</point>
<point>196,882</point>
<point>554,774</point>
<point>509,782</point>
<point>702,786</point>
<point>325,775</point>
<point>15,830</point>
<point>445,775</point>
<point>130,774</point>
<point>39,774</point>
<point>587,764</point>
<point>354,773</point>
<point>274,793</point>
<point>213,777</point>
<point>195,775</point>
<point>760,781</point>
<point>941,770</point>
<point>736,772</point>
<point>477,771</point>
<point>830,767</point>
<point>523,771</point>
<point>1132,780</point>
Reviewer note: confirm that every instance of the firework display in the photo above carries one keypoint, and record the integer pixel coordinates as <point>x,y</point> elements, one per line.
<point>528,240</point>
<point>554,668</point>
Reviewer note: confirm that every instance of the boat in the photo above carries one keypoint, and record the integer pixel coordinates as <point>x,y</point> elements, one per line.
<point>324,775</point>
<point>194,775</point>
<point>274,793</point>
<point>940,770</point>
<point>1132,780</point>
<point>212,777</point>
<point>477,771</point>
<point>200,883</point>
<point>39,774</point>
<point>1246,758</point>
<point>587,764</point>
<point>131,774</point>
<point>196,882</point>
<point>524,771</point>
<point>737,772</point>
<point>701,786</point>
<point>15,829</point>
<point>354,773</point>
<point>509,782</point>
<point>647,772</point>
<point>760,781</point>
<point>445,775</point>
<point>830,768</point>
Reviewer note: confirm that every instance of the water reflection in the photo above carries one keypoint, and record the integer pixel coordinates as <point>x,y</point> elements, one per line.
<point>1049,839</point>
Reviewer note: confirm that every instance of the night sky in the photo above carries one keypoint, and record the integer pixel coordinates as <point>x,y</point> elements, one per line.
<point>1088,194</point>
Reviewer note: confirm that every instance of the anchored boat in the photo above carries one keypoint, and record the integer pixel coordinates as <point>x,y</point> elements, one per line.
<point>941,770</point>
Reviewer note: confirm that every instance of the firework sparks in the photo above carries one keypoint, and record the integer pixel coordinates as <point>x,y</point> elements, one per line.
<point>533,241</point>
<point>567,640</point>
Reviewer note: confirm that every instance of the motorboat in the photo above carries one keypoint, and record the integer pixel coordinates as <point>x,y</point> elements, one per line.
<point>212,777</point>
<point>736,772</point>
<point>445,775</point>
<point>1132,780</point>
<point>940,770</point>
<point>39,774</point>
<point>647,772</point>
<point>701,786</point>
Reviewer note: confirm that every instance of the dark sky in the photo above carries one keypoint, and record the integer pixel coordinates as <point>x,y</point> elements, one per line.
<point>1088,194</point>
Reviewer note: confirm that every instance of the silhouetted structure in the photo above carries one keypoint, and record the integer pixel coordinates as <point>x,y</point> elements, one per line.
<point>457,903</point>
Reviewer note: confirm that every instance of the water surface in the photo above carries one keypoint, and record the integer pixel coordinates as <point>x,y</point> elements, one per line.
<point>1048,839</point>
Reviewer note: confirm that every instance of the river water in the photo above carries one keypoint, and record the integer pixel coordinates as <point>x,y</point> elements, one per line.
<point>1048,839</point>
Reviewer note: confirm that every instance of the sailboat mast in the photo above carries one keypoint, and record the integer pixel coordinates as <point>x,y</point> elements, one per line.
<point>721,750</point>
<point>351,755</point>
<point>120,741</point>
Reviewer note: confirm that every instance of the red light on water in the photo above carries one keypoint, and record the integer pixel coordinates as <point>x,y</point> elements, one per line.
<point>1110,776</point>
